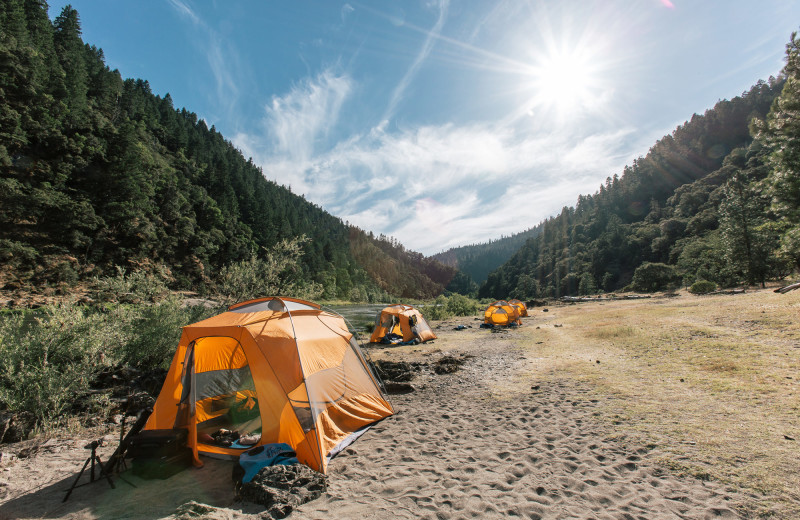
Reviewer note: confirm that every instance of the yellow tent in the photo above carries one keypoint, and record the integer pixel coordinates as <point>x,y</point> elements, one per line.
<point>280,368</point>
<point>403,320</point>
<point>521,307</point>
<point>501,313</point>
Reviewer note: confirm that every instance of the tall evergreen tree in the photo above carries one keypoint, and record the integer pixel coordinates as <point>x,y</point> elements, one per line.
<point>70,50</point>
<point>780,133</point>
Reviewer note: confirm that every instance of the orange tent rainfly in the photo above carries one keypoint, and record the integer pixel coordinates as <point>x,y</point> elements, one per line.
<point>276,370</point>
<point>401,321</point>
<point>501,313</point>
<point>521,307</point>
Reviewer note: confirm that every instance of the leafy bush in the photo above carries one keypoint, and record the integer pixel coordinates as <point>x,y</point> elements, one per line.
<point>136,287</point>
<point>16,253</point>
<point>51,357</point>
<point>702,287</point>
<point>652,277</point>
<point>150,333</point>
<point>444,307</point>
<point>460,305</point>
<point>278,272</point>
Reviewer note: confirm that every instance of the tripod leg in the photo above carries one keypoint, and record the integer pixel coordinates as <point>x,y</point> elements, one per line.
<point>69,492</point>
<point>104,473</point>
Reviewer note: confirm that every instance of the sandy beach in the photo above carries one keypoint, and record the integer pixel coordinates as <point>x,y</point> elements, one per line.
<point>487,441</point>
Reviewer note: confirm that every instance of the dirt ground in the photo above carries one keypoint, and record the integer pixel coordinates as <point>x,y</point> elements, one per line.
<point>579,413</point>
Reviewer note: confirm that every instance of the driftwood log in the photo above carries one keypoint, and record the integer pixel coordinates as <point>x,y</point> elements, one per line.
<point>787,288</point>
<point>603,298</point>
<point>728,291</point>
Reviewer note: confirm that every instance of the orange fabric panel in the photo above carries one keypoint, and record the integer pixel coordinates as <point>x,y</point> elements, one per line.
<point>218,353</point>
<point>275,341</point>
<point>322,341</point>
<point>304,443</point>
<point>521,307</point>
<point>377,334</point>
<point>332,385</point>
<point>272,399</point>
<point>423,329</point>
<point>163,416</point>
<point>404,327</point>
<point>345,417</point>
<point>308,452</point>
<point>499,317</point>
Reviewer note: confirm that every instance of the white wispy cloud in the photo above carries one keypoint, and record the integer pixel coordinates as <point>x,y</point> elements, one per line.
<point>433,186</point>
<point>185,10</point>
<point>427,45</point>
<point>297,120</point>
<point>223,60</point>
<point>345,11</point>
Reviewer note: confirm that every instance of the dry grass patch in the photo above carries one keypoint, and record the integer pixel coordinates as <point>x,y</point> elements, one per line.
<point>612,331</point>
<point>713,382</point>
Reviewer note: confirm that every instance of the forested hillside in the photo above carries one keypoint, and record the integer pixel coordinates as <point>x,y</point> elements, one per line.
<point>478,260</point>
<point>716,200</point>
<point>97,172</point>
<point>409,274</point>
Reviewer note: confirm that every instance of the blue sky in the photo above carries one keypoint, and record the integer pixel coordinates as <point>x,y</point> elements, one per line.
<point>442,122</point>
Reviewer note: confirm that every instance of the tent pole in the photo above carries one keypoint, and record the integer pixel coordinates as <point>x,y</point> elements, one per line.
<point>303,371</point>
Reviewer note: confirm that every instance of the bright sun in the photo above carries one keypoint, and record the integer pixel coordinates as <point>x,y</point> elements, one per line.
<point>564,82</point>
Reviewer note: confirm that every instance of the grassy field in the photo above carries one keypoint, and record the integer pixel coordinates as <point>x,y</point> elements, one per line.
<point>712,383</point>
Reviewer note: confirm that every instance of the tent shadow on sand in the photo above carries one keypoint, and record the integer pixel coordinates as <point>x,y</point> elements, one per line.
<point>210,485</point>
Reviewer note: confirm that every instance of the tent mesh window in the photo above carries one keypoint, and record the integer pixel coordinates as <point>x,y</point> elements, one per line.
<point>225,396</point>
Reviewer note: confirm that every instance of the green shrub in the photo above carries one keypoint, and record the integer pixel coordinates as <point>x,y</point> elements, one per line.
<point>460,305</point>
<point>652,277</point>
<point>444,307</point>
<point>136,287</point>
<point>149,334</point>
<point>17,254</point>
<point>276,273</point>
<point>702,287</point>
<point>50,358</point>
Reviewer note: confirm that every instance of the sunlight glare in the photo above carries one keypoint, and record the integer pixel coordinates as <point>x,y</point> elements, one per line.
<point>565,82</point>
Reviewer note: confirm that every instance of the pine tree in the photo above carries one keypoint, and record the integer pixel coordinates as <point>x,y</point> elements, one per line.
<point>70,50</point>
<point>781,136</point>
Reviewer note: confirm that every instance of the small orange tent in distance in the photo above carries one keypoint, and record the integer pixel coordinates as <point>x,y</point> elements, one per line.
<point>403,320</point>
<point>279,367</point>
<point>501,313</point>
<point>521,307</point>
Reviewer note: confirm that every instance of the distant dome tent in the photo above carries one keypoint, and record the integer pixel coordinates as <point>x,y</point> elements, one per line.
<point>522,308</point>
<point>501,313</point>
<point>401,323</point>
<point>279,370</point>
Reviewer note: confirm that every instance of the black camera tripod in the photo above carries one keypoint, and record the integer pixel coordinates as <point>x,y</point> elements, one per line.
<point>94,457</point>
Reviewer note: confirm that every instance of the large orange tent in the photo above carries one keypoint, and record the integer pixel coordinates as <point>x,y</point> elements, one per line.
<point>402,320</point>
<point>279,367</point>
<point>521,307</point>
<point>501,313</point>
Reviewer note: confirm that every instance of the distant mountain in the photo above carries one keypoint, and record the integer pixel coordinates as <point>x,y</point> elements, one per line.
<point>97,172</point>
<point>478,260</point>
<point>701,205</point>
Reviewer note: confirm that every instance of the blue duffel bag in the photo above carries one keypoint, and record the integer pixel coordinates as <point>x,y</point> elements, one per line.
<point>259,457</point>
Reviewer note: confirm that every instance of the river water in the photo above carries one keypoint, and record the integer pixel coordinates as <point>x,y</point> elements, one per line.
<point>360,315</point>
